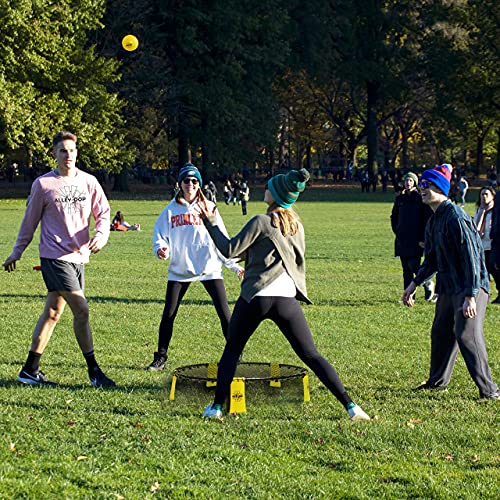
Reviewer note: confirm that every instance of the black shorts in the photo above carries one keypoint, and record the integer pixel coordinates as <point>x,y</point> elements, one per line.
<point>60,275</point>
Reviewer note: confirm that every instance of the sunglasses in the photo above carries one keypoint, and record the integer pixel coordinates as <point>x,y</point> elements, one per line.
<point>425,184</point>
<point>190,180</point>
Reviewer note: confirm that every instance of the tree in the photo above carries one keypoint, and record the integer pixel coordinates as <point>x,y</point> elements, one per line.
<point>207,70</point>
<point>52,79</point>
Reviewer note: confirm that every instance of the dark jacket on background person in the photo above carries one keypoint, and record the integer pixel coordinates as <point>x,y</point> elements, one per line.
<point>408,219</point>
<point>495,233</point>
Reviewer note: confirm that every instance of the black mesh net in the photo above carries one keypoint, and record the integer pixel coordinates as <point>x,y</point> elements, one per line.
<point>246,370</point>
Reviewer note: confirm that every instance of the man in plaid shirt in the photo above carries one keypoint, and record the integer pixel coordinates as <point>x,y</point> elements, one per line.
<point>453,250</point>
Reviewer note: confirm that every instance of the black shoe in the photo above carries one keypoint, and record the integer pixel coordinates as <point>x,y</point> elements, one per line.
<point>159,362</point>
<point>98,379</point>
<point>490,397</point>
<point>34,379</point>
<point>427,386</point>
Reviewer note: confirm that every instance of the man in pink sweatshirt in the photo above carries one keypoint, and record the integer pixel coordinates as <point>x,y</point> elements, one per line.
<point>62,202</point>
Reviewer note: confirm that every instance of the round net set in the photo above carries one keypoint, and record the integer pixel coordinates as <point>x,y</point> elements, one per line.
<point>272,373</point>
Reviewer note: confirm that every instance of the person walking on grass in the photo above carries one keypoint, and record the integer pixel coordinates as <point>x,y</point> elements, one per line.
<point>495,239</point>
<point>408,219</point>
<point>62,202</point>
<point>453,249</point>
<point>180,235</point>
<point>483,220</point>
<point>273,245</point>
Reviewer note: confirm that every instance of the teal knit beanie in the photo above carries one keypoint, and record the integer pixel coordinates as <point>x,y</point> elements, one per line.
<point>189,170</point>
<point>285,188</point>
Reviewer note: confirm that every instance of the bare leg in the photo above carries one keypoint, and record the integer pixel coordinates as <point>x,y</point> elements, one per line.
<point>54,307</point>
<point>80,309</point>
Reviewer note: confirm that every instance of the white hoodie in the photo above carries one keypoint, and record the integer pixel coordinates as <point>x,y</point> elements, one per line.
<point>193,255</point>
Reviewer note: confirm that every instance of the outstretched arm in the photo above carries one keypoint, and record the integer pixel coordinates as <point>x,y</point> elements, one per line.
<point>229,247</point>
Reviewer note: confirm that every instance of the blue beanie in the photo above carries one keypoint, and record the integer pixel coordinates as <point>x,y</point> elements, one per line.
<point>285,189</point>
<point>189,170</point>
<point>440,176</point>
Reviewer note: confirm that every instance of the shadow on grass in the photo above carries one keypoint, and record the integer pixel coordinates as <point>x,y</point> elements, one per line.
<point>116,300</point>
<point>6,383</point>
<point>369,301</point>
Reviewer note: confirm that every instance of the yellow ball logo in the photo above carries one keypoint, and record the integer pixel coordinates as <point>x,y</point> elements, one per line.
<point>130,43</point>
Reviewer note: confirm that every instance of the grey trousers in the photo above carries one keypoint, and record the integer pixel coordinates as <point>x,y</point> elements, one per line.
<point>452,331</point>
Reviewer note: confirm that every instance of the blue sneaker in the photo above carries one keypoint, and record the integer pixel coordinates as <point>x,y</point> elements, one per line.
<point>34,379</point>
<point>212,411</point>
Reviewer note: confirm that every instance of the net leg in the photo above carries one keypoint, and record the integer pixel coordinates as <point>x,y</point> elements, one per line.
<point>275,372</point>
<point>211,373</point>
<point>172,388</point>
<point>237,402</point>
<point>305,383</point>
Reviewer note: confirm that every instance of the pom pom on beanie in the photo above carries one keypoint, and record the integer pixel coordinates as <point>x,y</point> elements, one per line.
<point>440,176</point>
<point>285,188</point>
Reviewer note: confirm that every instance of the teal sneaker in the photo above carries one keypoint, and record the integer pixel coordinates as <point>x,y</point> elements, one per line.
<point>356,413</point>
<point>213,411</point>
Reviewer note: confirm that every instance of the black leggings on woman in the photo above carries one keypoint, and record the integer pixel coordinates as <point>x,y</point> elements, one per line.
<point>289,318</point>
<point>175,292</point>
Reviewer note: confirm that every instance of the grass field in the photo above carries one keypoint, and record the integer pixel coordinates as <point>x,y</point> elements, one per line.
<point>77,442</point>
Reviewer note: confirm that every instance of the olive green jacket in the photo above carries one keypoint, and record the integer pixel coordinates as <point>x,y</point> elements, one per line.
<point>266,252</point>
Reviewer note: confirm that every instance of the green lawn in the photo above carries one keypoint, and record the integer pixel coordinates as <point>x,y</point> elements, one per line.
<point>74,441</point>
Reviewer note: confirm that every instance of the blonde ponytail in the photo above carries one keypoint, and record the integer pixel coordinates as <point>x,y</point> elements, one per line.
<point>285,219</point>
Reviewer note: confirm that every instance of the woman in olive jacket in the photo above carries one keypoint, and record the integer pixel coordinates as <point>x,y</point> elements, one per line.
<point>273,248</point>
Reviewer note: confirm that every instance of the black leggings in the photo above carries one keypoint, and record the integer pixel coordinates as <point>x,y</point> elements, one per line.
<point>175,292</point>
<point>289,318</point>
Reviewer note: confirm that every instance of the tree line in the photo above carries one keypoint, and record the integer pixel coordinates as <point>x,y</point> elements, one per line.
<point>272,83</point>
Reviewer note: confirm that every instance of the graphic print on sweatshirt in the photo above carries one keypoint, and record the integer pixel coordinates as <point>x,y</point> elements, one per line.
<point>185,220</point>
<point>71,199</point>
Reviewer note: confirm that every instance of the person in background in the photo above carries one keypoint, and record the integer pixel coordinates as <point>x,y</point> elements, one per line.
<point>180,235</point>
<point>495,238</point>
<point>228,192</point>
<point>483,220</point>
<point>453,249</point>
<point>120,224</point>
<point>463,187</point>
<point>273,244</point>
<point>207,192</point>
<point>213,189</point>
<point>408,219</point>
<point>235,191</point>
<point>492,177</point>
<point>244,197</point>
<point>62,202</point>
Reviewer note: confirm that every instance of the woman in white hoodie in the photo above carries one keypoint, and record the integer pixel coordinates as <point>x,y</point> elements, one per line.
<point>179,234</point>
